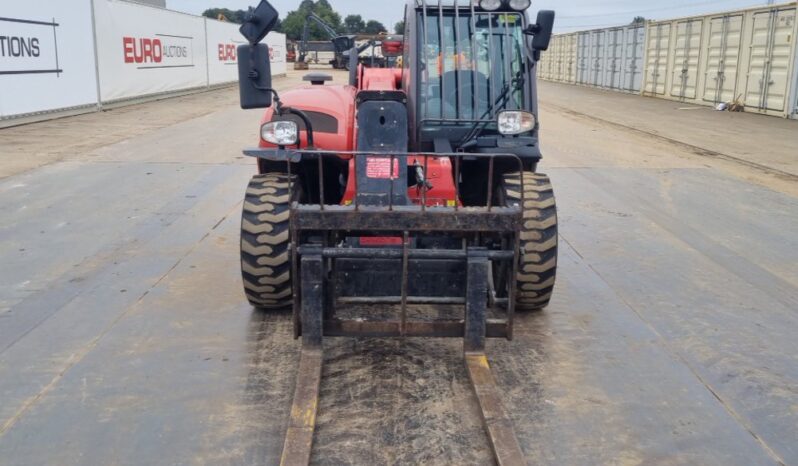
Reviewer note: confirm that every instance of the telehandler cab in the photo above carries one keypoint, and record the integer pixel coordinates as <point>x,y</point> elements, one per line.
<point>404,188</point>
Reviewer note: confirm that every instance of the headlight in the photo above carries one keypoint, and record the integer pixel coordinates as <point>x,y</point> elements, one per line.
<point>490,5</point>
<point>520,5</point>
<point>280,133</point>
<point>516,122</point>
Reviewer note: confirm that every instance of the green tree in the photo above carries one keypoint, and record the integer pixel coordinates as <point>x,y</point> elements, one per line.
<point>375,27</point>
<point>399,28</point>
<point>354,24</point>
<point>639,20</point>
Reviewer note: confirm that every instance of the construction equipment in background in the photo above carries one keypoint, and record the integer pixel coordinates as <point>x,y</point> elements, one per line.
<point>341,44</point>
<point>411,190</point>
<point>392,47</point>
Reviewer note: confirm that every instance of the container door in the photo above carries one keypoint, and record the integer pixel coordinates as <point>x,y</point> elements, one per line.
<point>583,58</point>
<point>723,58</point>
<point>558,58</point>
<point>795,89</point>
<point>769,66</point>
<point>572,59</point>
<point>598,56</point>
<point>633,52</point>
<point>687,56</point>
<point>659,39</point>
<point>612,72</point>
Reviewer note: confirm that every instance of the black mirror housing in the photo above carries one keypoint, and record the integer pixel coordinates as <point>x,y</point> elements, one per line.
<point>254,76</point>
<point>259,22</point>
<point>542,30</point>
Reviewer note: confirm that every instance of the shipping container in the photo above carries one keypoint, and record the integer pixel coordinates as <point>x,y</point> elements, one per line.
<point>598,57</point>
<point>795,85</point>
<point>555,59</point>
<point>613,61</point>
<point>556,74</point>
<point>569,58</point>
<point>656,62</point>
<point>583,54</point>
<point>771,61</point>
<point>745,56</point>
<point>633,54</point>
<point>685,58</point>
<point>724,49</point>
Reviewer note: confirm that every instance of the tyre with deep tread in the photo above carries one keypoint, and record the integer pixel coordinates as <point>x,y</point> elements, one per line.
<point>266,241</point>
<point>537,269</point>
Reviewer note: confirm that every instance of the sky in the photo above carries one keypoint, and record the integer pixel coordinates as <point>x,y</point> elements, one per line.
<point>572,15</point>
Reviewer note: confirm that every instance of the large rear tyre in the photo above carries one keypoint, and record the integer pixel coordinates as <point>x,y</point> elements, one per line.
<point>537,269</point>
<point>266,241</point>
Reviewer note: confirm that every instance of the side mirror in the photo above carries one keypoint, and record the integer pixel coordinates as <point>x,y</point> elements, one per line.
<point>254,76</point>
<point>254,65</point>
<point>541,31</point>
<point>258,22</point>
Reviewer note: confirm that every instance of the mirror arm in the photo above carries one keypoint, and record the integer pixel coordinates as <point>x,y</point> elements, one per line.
<point>532,29</point>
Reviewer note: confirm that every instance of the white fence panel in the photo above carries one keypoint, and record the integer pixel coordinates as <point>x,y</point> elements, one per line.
<point>146,50</point>
<point>223,40</point>
<point>222,45</point>
<point>46,56</point>
<point>278,52</point>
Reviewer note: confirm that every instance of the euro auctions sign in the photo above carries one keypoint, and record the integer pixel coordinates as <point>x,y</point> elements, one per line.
<point>228,53</point>
<point>159,51</point>
<point>29,46</point>
<point>144,50</point>
<point>46,57</point>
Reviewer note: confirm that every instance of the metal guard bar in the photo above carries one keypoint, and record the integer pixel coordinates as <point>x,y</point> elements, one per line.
<point>405,218</point>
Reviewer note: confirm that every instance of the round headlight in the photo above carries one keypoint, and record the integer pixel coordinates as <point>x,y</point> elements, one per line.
<point>490,5</point>
<point>520,5</point>
<point>516,122</point>
<point>280,133</point>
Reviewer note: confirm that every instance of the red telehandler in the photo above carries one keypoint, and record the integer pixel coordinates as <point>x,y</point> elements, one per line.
<point>415,187</point>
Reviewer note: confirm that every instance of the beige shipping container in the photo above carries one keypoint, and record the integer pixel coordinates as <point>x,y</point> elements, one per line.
<point>556,59</point>
<point>544,66</point>
<point>559,61</point>
<point>655,74</point>
<point>568,58</point>
<point>748,56</point>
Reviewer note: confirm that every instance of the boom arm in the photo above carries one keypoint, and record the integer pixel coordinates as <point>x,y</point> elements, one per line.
<point>303,47</point>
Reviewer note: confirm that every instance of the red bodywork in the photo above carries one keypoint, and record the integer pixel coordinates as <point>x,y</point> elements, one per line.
<point>339,102</point>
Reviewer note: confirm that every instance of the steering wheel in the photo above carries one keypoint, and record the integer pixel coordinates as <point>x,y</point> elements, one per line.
<point>467,89</point>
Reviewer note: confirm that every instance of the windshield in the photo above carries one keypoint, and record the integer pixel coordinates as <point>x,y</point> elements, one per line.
<point>458,83</point>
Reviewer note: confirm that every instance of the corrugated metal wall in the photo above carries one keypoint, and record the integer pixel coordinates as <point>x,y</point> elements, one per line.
<point>749,56</point>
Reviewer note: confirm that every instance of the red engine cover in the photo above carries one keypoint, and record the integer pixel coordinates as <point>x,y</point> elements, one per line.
<point>335,101</point>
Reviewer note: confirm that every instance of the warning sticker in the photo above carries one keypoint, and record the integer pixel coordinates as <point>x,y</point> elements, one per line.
<point>380,168</point>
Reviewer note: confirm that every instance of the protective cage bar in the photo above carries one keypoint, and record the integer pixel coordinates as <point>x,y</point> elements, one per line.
<point>291,156</point>
<point>454,9</point>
